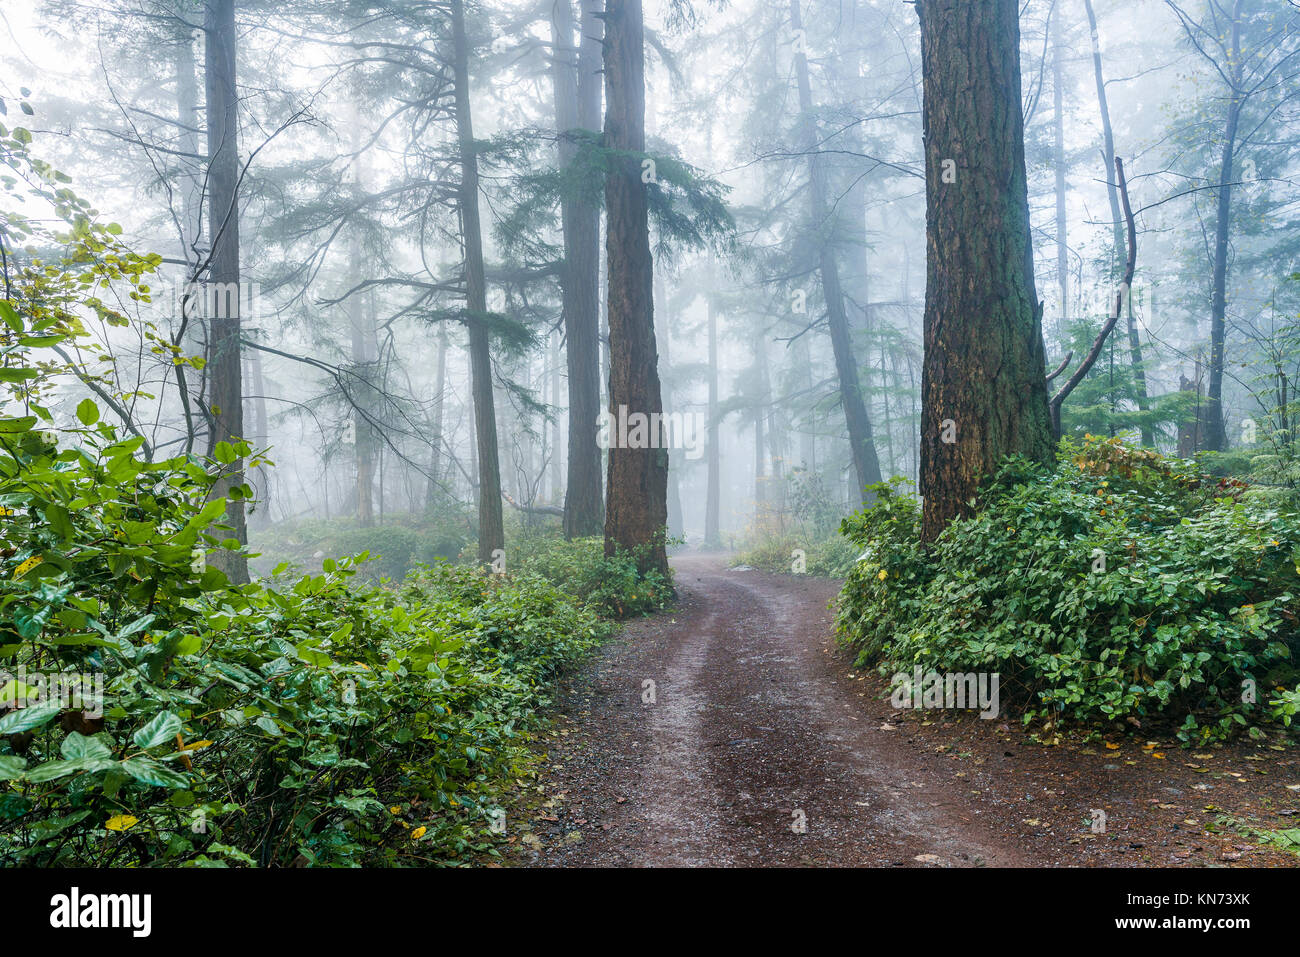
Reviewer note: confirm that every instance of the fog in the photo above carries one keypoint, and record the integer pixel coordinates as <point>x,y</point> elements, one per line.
<point>356,376</point>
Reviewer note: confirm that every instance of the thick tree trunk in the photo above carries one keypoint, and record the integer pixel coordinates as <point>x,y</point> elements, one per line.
<point>491,531</point>
<point>1117,229</point>
<point>636,511</point>
<point>865,464</point>
<point>576,83</point>
<point>224,363</point>
<point>983,389</point>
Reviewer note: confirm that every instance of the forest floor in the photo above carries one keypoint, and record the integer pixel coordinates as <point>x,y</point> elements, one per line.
<point>759,723</point>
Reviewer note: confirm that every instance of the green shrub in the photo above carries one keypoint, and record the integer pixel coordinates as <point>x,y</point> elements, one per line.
<point>153,713</point>
<point>613,585</point>
<point>827,558</point>
<point>1118,584</point>
<point>260,724</point>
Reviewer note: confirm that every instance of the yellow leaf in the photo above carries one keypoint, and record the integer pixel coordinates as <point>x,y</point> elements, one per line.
<point>121,822</point>
<point>418,833</point>
<point>883,575</point>
<point>1112,747</point>
<point>27,566</point>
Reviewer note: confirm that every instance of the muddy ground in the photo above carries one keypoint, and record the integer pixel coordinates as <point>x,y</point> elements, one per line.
<point>763,747</point>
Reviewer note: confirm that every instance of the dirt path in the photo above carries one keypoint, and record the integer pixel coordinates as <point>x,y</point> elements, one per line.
<point>755,728</point>
<point>758,723</point>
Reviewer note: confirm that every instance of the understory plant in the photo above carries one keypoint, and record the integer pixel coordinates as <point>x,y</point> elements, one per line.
<point>1117,585</point>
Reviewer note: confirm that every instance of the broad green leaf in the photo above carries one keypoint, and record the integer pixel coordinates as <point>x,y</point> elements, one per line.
<point>24,719</point>
<point>163,727</point>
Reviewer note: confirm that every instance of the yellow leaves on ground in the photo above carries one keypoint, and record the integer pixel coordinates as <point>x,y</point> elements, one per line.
<point>418,833</point>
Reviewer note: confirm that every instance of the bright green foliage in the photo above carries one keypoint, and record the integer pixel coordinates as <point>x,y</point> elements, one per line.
<point>151,712</point>
<point>1119,584</point>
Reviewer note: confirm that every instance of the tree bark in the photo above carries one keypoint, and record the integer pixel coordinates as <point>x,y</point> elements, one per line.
<point>984,394</point>
<point>636,512</point>
<point>491,530</point>
<point>224,362</point>
<point>576,83</point>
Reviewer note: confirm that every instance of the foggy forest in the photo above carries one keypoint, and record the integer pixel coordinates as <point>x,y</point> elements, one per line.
<point>700,433</point>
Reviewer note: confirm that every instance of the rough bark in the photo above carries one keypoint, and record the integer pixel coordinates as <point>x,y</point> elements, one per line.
<point>984,395</point>
<point>636,512</point>
<point>576,83</point>
<point>224,362</point>
<point>491,531</point>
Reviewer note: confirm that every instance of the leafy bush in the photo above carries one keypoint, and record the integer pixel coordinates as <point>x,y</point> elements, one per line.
<point>153,713</point>
<point>828,557</point>
<point>1119,584</point>
<point>260,724</point>
<point>613,585</point>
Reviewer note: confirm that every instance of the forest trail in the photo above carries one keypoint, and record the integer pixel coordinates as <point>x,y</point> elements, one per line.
<point>757,723</point>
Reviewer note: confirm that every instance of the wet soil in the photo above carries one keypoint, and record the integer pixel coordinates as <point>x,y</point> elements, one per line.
<point>734,732</point>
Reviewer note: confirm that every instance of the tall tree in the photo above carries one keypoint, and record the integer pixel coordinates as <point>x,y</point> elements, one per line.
<point>491,529</point>
<point>636,511</point>
<point>866,465</point>
<point>224,363</point>
<point>713,487</point>
<point>984,394</point>
<point>576,82</point>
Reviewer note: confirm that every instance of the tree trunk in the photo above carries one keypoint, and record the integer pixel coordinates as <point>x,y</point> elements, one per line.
<point>713,487</point>
<point>491,531</point>
<point>224,364</point>
<point>1214,434</point>
<point>1117,257</point>
<point>676,526</point>
<point>866,465</point>
<point>576,84</point>
<point>439,401</point>
<point>364,351</point>
<point>636,512</point>
<point>984,394</point>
